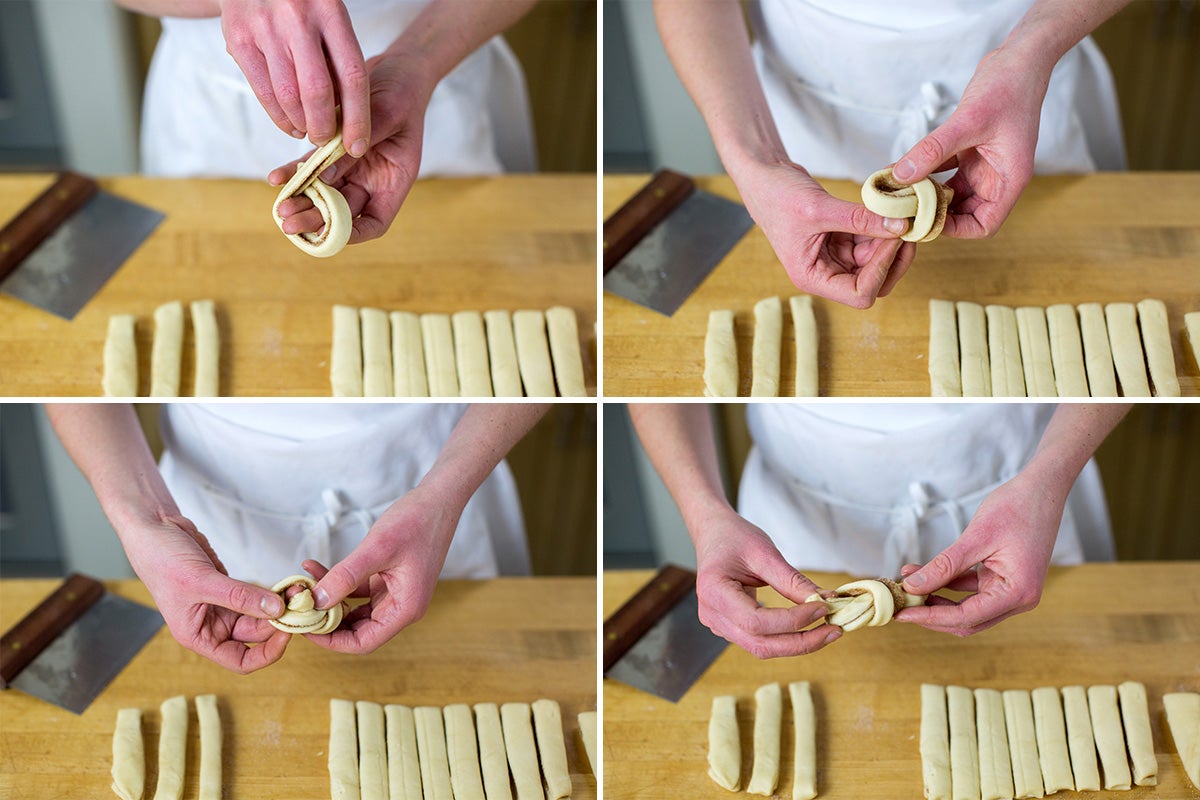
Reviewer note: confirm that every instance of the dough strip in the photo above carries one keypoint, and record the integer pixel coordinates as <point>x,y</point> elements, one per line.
<point>343,751</point>
<point>493,760</point>
<point>944,375</point>
<point>408,357</point>
<point>345,362</point>
<point>463,751</point>
<point>440,371</point>
<point>1097,355</point>
<point>1034,340</point>
<point>1110,741</point>
<point>404,770</point>
<point>1022,744</point>
<point>502,350</point>
<point>964,746</point>
<point>120,358</point>
<point>587,732</point>
<point>1191,323</point>
<point>522,753</point>
<point>1066,351</point>
<point>1004,352</point>
<point>564,347</point>
<point>167,352</point>
<point>172,748</point>
<point>720,356</point>
<point>1135,712</point>
<point>547,722</point>
<point>995,766</point>
<point>972,342</point>
<point>1183,719</point>
<point>768,720</point>
<point>1156,337</point>
<point>804,325</point>
<point>334,209</point>
<point>376,353</point>
<point>804,763</point>
<point>935,742</point>
<point>1080,743</point>
<point>210,747</point>
<point>372,756</point>
<point>724,744</point>
<point>1052,741</point>
<point>208,349</point>
<point>431,753</point>
<point>470,353</point>
<point>768,332</point>
<point>533,353</point>
<point>129,755</point>
<point>1127,349</point>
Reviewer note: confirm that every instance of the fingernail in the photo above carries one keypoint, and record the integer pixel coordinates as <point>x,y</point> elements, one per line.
<point>358,147</point>
<point>322,597</point>
<point>297,134</point>
<point>272,606</point>
<point>915,581</point>
<point>904,170</point>
<point>895,225</point>
<point>832,635</point>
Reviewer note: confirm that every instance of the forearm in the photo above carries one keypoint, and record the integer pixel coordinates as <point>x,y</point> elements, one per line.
<point>710,47</point>
<point>106,442</point>
<point>1052,27</point>
<point>173,8</point>
<point>1071,438</point>
<point>480,440</point>
<point>678,438</point>
<point>447,31</point>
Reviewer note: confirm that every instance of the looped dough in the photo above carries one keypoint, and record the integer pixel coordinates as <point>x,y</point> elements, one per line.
<point>329,201</point>
<point>301,615</point>
<point>924,203</point>
<point>866,604</point>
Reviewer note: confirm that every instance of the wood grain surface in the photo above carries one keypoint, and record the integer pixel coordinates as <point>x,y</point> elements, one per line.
<point>1096,624</point>
<point>1071,239</point>
<point>502,640</point>
<point>508,242</point>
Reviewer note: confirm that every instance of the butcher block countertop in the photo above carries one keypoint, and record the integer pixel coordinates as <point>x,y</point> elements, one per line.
<point>467,244</point>
<point>1096,624</point>
<point>510,639</point>
<point>1071,239</point>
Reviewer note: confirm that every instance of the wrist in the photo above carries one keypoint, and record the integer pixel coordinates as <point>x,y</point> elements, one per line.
<point>701,514</point>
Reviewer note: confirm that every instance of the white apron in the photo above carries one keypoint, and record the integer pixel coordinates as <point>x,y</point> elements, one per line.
<point>272,485</point>
<point>899,488</point>
<point>854,84</point>
<point>201,118</point>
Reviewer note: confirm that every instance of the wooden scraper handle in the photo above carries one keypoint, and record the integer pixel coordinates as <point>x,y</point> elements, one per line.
<point>39,627</point>
<point>631,621</point>
<point>42,217</point>
<point>632,221</point>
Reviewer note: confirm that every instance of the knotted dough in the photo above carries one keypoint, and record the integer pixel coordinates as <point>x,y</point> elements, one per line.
<point>866,604</point>
<point>302,615</point>
<point>339,223</point>
<point>924,203</point>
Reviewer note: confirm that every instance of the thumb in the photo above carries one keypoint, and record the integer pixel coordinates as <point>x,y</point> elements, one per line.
<point>785,579</point>
<point>346,576</point>
<point>943,568</point>
<point>244,598</point>
<point>840,215</point>
<point>931,153</point>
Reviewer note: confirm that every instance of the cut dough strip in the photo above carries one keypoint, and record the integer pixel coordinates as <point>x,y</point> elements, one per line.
<point>404,770</point>
<point>376,353</point>
<point>1035,352</point>
<point>724,744</point>
<point>768,330</point>
<point>408,356</point>
<point>172,749</point>
<point>506,374</point>
<point>1127,349</point>
<point>587,732</point>
<point>208,349</point>
<point>1110,740</point>
<point>964,746</point>
<point>210,747</point>
<point>493,760</point>
<point>129,755</point>
<point>1191,323</point>
<point>995,768</point>
<point>804,324</point>
<point>1022,744</point>
<point>547,721</point>
<point>720,356</point>
<point>1052,741</point>
<point>1080,741</point>
<point>439,355</point>
<point>925,203</point>
<point>935,742</point>
<point>1135,712</point>
<point>470,353</point>
<point>343,751</point>
<point>522,753</point>
<point>563,330</point>
<point>345,362</point>
<point>972,342</point>
<point>167,353</point>
<point>944,375</point>
<point>339,223</point>
<point>1066,351</point>
<point>1097,355</point>
<point>768,721</point>
<point>1004,352</point>
<point>533,353</point>
<point>120,358</point>
<point>431,753</point>
<point>461,746</point>
<point>1156,338</point>
<point>372,755</point>
<point>865,604</point>
<point>804,762</point>
<point>1183,720</point>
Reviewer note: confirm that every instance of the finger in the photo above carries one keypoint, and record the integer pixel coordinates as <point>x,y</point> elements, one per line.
<point>353,86</point>
<point>314,568</point>
<point>964,226</point>
<point>281,175</point>
<point>947,565</point>
<point>244,598</point>
<point>251,631</point>
<point>254,66</point>
<point>366,634</point>
<point>900,264</point>
<point>243,659</point>
<point>284,85</point>
<point>728,601</point>
<point>347,575</point>
<point>316,87</point>
<point>785,645</point>
<point>973,629</point>
<point>783,577</point>
<point>839,215</point>
<point>309,221</point>
<point>968,582</point>
<point>970,613</point>
<point>928,155</point>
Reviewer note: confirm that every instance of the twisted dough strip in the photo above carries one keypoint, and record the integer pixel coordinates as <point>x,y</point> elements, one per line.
<point>329,201</point>
<point>301,615</point>
<point>867,603</point>
<point>925,203</point>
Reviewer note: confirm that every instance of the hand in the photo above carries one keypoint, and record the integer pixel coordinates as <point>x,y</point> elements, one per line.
<point>376,184</point>
<point>207,611</point>
<point>1011,539</point>
<point>828,247</point>
<point>734,558</point>
<point>991,137</point>
<point>396,566</point>
<point>302,60</point>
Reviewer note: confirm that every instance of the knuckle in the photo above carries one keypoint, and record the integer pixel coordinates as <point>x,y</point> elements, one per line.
<point>239,596</point>
<point>354,75</point>
<point>287,92</point>
<point>318,86</point>
<point>931,149</point>
<point>861,220</point>
<point>758,649</point>
<point>942,565</point>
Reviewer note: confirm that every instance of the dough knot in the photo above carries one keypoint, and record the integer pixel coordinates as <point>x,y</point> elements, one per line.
<point>866,604</point>
<point>339,223</point>
<point>302,615</point>
<point>924,204</point>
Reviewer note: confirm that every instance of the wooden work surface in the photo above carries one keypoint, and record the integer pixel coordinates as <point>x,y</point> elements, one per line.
<point>1071,239</point>
<point>1097,624</point>
<point>496,641</point>
<point>508,242</point>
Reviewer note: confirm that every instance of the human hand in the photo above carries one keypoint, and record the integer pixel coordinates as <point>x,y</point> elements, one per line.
<point>376,184</point>
<point>396,566</point>
<point>828,247</point>
<point>207,611</point>
<point>733,559</point>
<point>1011,539</point>
<point>302,60</point>
<point>991,138</point>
